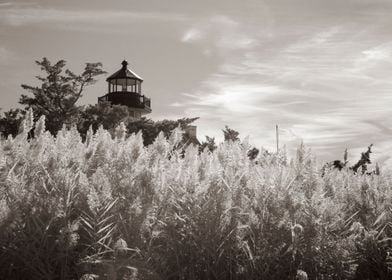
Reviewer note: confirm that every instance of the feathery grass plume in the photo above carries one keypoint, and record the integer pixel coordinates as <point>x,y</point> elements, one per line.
<point>89,136</point>
<point>39,127</point>
<point>120,248</point>
<point>4,211</point>
<point>121,132</point>
<point>23,128</point>
<point>176,136</point>
<point>301,275</point>
<point>183,213</point>
<point>29,120</point>
<point>89,276</point>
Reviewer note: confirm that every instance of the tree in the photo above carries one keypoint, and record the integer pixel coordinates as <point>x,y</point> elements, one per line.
<point>363,161</point>
<point>361,165</point>
<point>105,114</point>
<point>209,144</point>
<point>10,122</point>
<point>336,164</point>
<point>253,153</point>
<point>230,134</point>
<point>110,116</point>
<point>151,129</point>
<point>59,92</point>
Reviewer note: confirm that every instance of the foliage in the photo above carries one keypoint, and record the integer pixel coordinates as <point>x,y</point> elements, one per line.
<point>58,94</point>
<point>209,144</point>
<point>230,134</point>
<point>105,114</point>
<point>59,91</point>
<point>363,161</point>
<point>361,164</point>
<point>10,122</point>
<point>151,129</point>
<point>111,207</point>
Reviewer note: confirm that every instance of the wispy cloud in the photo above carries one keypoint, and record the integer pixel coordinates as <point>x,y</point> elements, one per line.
<point>7,4</point>
<point>16,15</point>
<point>191,35</point>
<point>324,87</point>
<point>221,33</point>
<point>320,69</point>
<point>374,62</point>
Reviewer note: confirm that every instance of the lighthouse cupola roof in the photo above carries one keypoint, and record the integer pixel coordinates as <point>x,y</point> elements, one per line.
<point>124,73</point>
<point>125,88</point>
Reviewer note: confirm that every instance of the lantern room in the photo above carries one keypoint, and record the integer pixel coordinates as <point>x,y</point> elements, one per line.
<point>125,88</point>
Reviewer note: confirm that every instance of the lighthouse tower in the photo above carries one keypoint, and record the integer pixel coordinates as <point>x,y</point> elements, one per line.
<point>125,88</point>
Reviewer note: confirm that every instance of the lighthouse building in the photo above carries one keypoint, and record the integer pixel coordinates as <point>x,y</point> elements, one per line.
<point>125,88</point>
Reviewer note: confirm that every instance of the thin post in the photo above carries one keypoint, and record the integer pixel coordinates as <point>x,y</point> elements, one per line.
<point>277,139</point>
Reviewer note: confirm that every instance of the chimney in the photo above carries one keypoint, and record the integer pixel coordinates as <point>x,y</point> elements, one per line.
<point>191,130</point>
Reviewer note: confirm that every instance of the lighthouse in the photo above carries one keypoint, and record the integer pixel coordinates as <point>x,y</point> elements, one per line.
<point>125,88</point>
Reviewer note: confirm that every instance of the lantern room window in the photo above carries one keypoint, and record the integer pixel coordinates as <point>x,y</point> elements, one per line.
<point>125,88</point>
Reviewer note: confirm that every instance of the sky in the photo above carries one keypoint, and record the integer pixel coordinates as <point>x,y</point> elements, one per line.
<point>320,69</point>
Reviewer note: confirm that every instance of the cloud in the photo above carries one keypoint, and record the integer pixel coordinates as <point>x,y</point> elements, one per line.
<point>236,41</point>
<point>18,15</point>
<point>191,35</point>
<point>320,69</point>
<point>375,62</point>
<point>176,104</point>
<point>331,90</point>
<point>221,33</point>
<point>234,98</point>
<point>6,4</point>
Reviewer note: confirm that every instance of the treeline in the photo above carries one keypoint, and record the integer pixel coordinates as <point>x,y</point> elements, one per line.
<point>56,99</point>
<point>60,89</point>
<point>57,95</point>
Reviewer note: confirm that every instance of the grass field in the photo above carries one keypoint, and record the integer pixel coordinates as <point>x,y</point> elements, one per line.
<point>111,208</point>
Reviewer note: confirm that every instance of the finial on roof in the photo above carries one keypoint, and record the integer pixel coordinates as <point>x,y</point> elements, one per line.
<point>124,63</point>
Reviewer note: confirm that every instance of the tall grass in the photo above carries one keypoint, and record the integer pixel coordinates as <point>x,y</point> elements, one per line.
<point>111,208</point>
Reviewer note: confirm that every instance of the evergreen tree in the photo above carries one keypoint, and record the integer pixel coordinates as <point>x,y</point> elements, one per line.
<point>110,116</point>
<point>209,144</point>
<point>230,134</point>
<point>105,114</point>
<point>151,129</point>
<point>10,122</point>
<point>363,161</point>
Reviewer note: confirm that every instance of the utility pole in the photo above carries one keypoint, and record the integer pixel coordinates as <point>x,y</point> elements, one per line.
<point>277,139</point>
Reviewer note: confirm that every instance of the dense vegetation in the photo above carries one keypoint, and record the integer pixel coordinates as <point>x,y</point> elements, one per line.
<point>95,200</point>
<point>57,95</point>
<point>110,207</point>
